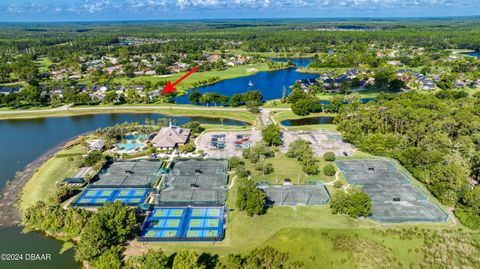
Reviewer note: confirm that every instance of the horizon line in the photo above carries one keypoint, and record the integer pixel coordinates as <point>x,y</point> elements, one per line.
<point>246,19</point>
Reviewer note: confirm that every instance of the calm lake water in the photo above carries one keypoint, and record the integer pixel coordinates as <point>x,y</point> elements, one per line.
<point>308,121</point>
<point>270,83</point>
<point>22,141</point>
<point>301,62</point>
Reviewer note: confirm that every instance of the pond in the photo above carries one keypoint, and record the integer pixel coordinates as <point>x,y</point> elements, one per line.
<point>270,83</point>
<point>474,54</point>
<point>308,121</point>
<point>25,140</point>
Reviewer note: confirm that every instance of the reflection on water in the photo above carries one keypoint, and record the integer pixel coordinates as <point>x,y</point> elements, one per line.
<point>308,121</point>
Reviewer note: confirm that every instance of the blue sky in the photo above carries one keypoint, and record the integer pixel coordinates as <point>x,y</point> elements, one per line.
<point>88,10</point>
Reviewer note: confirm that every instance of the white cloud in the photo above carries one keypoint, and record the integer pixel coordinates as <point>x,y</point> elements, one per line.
<point>127,6</point>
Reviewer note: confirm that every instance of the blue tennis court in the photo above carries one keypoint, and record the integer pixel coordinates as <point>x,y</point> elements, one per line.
<point>99,196</point>
<point>183,224</point>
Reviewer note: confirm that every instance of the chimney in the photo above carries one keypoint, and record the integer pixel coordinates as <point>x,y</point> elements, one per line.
<point>170,124</point>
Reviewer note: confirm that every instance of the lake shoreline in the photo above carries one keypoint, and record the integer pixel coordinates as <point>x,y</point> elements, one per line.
<point>10,194</point>
<point>173,110</point>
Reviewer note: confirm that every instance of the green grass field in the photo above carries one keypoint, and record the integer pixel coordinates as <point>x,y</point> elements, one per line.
<point>284,167</point>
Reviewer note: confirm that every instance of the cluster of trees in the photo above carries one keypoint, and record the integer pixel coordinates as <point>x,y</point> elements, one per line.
<point>92,158</point>
<point>99,235</point>
<point>386,80</point>
<point>195,128</point>
<point>205,82</point>
<point>104,233</point>
<point>208,98</point>
<point>301,150</point>
<point>271,135</point>
<point>250,98</point>
<point>303,103</point>
<point>354,203</point>
<point>436,139</point>
<point>52,218</point>
<point>238,165</point>
<point>250,199</point>
<point>258,155</point>
<point>266,258</point>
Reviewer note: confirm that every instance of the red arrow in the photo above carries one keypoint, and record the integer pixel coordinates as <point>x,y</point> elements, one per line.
<point>171,87</point>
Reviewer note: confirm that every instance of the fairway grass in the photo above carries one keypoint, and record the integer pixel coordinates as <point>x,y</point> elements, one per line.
<point>233,72</point>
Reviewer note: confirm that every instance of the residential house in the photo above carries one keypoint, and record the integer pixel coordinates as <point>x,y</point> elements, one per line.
<point>460,84</point>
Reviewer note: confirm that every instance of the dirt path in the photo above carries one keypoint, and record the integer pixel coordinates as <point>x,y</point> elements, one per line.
<point>232,183</point>
<point>337,178</point>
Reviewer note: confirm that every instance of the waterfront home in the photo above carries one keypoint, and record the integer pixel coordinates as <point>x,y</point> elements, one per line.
<point>352,73</point>
<point>171,137</point>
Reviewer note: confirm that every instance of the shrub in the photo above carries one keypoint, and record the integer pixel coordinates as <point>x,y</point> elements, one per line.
<point>271,135</point>
<point>355,203</point>
<point>329,156</point>
<point>251,199</point>
<point>92,158</point>
<point>329,170</point>
<point>62,194</point>
<point>235,161</point>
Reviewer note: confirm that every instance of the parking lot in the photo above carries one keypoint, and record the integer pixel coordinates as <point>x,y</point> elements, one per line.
<point>226,144</point>
<point>320,141</point>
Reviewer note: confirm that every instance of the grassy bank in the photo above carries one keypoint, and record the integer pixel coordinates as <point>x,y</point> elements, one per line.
<point>43,184</point>
<point>174,111</point>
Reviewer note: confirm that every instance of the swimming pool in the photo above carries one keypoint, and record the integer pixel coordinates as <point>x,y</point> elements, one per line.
<point>130,145</point>
<point>133,142</point>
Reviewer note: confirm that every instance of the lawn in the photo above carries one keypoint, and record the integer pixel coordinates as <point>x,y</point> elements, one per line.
<point>43,184</point>
<point>44,63</point>
<point>284,167</point>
